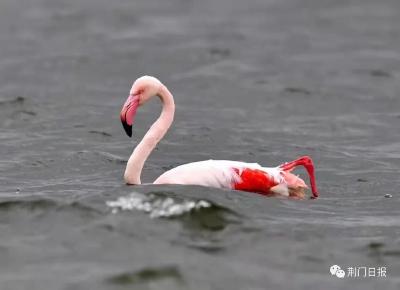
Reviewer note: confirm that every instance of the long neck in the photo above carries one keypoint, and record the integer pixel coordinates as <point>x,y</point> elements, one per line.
<point>153,136</point>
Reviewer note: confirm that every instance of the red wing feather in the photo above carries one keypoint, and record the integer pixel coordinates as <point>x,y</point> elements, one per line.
<point>254,180</point>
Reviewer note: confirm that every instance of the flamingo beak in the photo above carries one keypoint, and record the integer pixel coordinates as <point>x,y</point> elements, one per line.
<point>128,113</point>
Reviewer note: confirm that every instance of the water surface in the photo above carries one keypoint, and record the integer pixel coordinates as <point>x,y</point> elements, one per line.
<point>261,81</point>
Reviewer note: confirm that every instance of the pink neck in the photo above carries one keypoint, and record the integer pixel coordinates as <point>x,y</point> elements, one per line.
<point>150,140</point>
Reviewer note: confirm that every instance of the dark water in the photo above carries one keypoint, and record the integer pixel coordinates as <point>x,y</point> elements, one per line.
<point>258,81</point>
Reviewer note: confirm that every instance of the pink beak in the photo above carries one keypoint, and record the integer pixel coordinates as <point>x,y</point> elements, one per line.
<point>128,113</point>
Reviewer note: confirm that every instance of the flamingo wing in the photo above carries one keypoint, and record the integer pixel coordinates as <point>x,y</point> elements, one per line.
<point>254,180</point>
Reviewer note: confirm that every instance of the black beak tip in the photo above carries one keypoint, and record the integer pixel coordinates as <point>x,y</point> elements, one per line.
<point>127,128</point>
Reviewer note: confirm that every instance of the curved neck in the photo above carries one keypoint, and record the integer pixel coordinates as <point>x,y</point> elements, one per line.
<point>150,140</point>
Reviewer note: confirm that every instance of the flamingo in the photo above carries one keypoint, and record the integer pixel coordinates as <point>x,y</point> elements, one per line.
<point>234,175</point>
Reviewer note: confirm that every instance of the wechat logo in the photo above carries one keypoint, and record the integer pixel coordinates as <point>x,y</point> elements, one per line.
<point>337,271</point>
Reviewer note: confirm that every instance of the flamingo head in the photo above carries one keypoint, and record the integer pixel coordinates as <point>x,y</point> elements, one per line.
<point>296,186</point>
<point>128,112</point>
<point>142,90</point>
<point>293,185</point>
<point>290,186</point>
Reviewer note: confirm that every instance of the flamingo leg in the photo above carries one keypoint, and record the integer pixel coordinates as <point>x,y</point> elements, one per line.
<point>308,164</point>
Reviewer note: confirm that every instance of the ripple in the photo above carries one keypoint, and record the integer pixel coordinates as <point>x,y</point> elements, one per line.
<point>146,275</point>
<point>102,133</point>
<point>46,205</point>
<point>27,204</point>
<point>105,157</point>
<point>15,101</point>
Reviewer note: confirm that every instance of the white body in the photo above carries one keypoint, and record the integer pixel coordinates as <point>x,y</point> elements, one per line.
<point>213,173</point>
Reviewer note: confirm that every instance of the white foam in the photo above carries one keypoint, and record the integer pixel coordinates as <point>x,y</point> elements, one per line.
<point>155,206</point>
